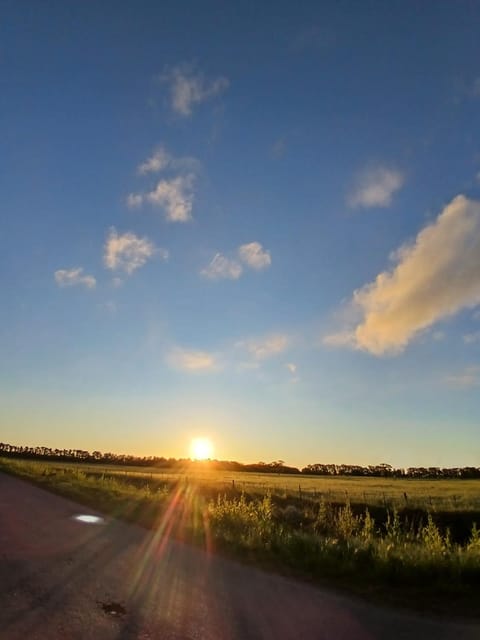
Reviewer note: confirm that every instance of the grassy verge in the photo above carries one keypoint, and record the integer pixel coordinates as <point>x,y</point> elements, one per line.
<point>413,563</point>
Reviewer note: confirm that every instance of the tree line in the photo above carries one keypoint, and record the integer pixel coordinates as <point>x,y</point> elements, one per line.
<point>277,466</point>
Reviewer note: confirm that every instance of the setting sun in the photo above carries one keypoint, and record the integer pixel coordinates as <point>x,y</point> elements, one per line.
<point>201,449</point>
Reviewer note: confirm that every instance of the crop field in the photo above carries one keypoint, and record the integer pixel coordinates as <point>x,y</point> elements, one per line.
<point>438,494</point>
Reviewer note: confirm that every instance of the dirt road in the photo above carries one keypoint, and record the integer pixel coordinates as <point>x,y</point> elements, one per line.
<point>64,578</point>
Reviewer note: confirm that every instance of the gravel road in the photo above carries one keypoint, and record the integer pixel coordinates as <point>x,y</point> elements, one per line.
<point>63,578</point>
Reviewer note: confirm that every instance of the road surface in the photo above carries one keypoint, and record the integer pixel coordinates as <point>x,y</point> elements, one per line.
<point>67,579</point>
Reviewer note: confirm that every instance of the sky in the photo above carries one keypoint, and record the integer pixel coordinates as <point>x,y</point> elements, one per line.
<point>255,223</point>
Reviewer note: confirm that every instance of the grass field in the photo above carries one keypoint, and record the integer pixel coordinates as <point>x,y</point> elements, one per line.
<point>441,494</point>
<point>361,534</point>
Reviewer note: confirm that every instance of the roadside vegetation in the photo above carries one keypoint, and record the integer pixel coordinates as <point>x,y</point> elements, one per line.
<point>425,557</point>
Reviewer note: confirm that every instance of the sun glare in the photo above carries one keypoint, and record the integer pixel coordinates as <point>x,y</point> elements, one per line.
<point>201,449</point>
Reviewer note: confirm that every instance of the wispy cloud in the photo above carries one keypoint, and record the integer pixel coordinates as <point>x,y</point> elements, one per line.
<point>221,267</point>
<point>292,367</point>
<point>128,252</point>
<point>134,200</point>
<point>175,196</point>
<point>189,88</point>
<point>192,360</point>
<point>161,159</point>
<point>375,187</point>
<point>471,338</point>
<point>266,347</point>
<point>254,255</point>
<point>74,277</point>
<point>434,277</point>
<point>174,193</point>
<point>469,377</point>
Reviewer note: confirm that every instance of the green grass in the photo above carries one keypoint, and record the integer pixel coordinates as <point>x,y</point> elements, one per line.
<point>415,557</point>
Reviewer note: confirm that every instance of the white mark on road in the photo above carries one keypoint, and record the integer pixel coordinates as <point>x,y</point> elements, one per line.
<point>88,519</point>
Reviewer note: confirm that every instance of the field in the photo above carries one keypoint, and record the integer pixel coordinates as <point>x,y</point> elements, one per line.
<point>434,495</point>
<point>410,542</point>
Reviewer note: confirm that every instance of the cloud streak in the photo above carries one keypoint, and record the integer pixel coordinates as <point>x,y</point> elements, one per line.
<point>267,347</point>
<point>221,268</point>
<point>434,277</point>
<point>252,255</point>
<point>192,361</point>
<point>466,379</point>
<point>74,277</point>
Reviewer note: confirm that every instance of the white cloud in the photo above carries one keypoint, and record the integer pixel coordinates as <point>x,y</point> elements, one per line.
<point>254,255</point>
<point>72,277</point>
<point>469,377</point>
<point>375,187</point>
<point>134,200</point>
<point>128,252</point>
<point>433,278</point>
<point>191,360</point>
<point>189,88</point>
<point>175,196</point>
<point>161,159</point>
<point>221,267</point>
<point>175,193</point>
<point>471,338</point>
<point>266,347</point>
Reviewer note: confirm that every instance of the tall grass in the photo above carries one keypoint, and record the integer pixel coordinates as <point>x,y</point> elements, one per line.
<point>340,544</point>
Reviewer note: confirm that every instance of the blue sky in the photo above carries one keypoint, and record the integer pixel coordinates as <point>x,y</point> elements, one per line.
<point>260,225</point>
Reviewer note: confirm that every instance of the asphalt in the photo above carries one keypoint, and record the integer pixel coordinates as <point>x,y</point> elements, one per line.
<point>62,578</point>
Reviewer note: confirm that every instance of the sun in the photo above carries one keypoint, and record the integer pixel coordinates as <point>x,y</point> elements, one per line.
<point>201,449</point>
